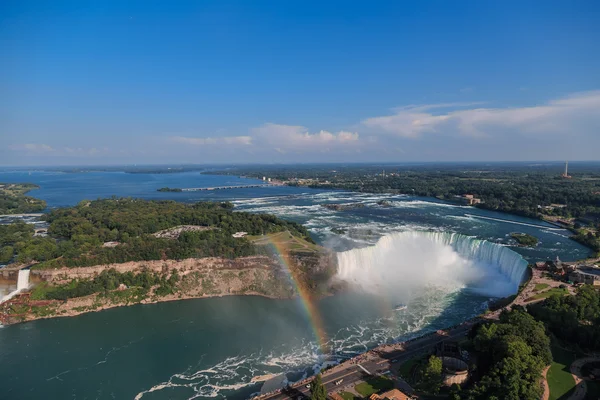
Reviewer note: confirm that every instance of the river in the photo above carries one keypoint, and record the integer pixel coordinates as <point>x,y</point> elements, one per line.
<point>211,348</point>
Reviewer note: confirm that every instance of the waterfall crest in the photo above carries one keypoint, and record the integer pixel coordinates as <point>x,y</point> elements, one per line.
<point>23,280</point>
<point>407,261</point>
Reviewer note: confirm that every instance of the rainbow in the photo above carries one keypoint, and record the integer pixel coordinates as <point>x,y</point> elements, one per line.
<point>307,300</point>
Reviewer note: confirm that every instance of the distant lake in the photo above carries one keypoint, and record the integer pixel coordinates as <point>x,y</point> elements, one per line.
<point>61,189</point>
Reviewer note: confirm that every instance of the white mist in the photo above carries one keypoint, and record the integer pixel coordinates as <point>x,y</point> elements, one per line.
<point>402,264</point>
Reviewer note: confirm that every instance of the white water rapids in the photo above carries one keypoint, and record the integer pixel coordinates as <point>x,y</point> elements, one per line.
<point>402,264</point>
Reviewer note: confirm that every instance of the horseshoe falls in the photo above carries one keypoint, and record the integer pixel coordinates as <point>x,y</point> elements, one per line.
<point>402,264</point>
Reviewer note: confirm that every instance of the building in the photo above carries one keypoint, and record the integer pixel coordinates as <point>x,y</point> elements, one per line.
<point>239,234</point>
<point>556,267</point>
<point>551,207</point>
<point>541,265</point>
<point>468,199</point>
<point>588,275</point>
<point>393,394</point>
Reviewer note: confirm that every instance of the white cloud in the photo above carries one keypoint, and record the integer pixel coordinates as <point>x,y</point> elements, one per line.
<point>564,128</point>
<point>82,151</point>
<point>288,138</point>
<point>229,140</point>
<point>32,148</point>
<point>40,148</point>
<point>562,116</point>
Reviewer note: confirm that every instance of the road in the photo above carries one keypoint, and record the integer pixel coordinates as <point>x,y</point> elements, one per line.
<point>580,384</point>
<point>376,361</point>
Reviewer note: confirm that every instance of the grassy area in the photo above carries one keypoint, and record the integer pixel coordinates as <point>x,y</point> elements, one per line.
<point>285,241</point>
<point>541,286</point>
<point>374,385</point>
<point>551,292</point>
<point>559,377</point>
<point>348,396</point>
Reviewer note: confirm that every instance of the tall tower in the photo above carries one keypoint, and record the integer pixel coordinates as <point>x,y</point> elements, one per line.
<point>566,173</point>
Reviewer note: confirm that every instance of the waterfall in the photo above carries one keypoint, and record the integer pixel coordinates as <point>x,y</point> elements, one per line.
<point>22,284</point>
<point>408,261</point>
<point>23,280</point>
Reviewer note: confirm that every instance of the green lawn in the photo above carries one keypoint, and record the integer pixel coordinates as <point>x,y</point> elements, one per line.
<point>374,385</point>
<point>348,396</point>
<point>551,292</point>
<point>540,286</point>
<point>560,380</point>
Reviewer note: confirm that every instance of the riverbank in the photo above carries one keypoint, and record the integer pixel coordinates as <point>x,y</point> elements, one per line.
<point>91,304</point>
<point>195,278</point>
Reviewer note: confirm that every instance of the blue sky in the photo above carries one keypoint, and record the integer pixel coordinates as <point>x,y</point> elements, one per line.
<point>113,82</point>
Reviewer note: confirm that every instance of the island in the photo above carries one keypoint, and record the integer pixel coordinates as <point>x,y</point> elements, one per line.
<point>343,207</point>
<point>13,199</point>
<point>524,239</point>
<point>107,253</point>
<point>168,189</point>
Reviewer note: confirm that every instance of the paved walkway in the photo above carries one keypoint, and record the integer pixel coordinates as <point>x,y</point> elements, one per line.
<point>580,384</point>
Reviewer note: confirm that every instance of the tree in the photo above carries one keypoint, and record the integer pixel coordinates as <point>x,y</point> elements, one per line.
<point>512,354</point>
<point>6,254</point>
<point>432,374</point>
<point>317,389</point>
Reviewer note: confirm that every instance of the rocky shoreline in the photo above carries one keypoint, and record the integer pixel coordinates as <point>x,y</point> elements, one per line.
<point>199,278</point>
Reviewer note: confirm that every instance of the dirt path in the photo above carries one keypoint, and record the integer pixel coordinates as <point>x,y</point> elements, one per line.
<point>580,384</point>
<point>546,394</point>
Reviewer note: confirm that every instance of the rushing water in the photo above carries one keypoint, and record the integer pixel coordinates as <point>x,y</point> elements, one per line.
<point>211,348</point>
<point>405,262</point>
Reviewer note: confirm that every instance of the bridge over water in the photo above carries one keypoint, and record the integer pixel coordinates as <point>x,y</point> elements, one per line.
<point>230,187</point>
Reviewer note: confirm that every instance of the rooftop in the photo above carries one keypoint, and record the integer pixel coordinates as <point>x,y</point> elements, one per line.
<point>589,270</point>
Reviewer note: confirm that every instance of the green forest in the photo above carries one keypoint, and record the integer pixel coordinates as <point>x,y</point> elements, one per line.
<point>107,281</point>
<point>574,319</point>
<point>511,355</point>
<point>13,199</point>
<point>512,352</point>
<point>77,234</point>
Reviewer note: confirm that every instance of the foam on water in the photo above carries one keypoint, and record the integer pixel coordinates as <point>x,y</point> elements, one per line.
<point>508,221</point>
<point>408,261</point>
<point>224,378</point>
